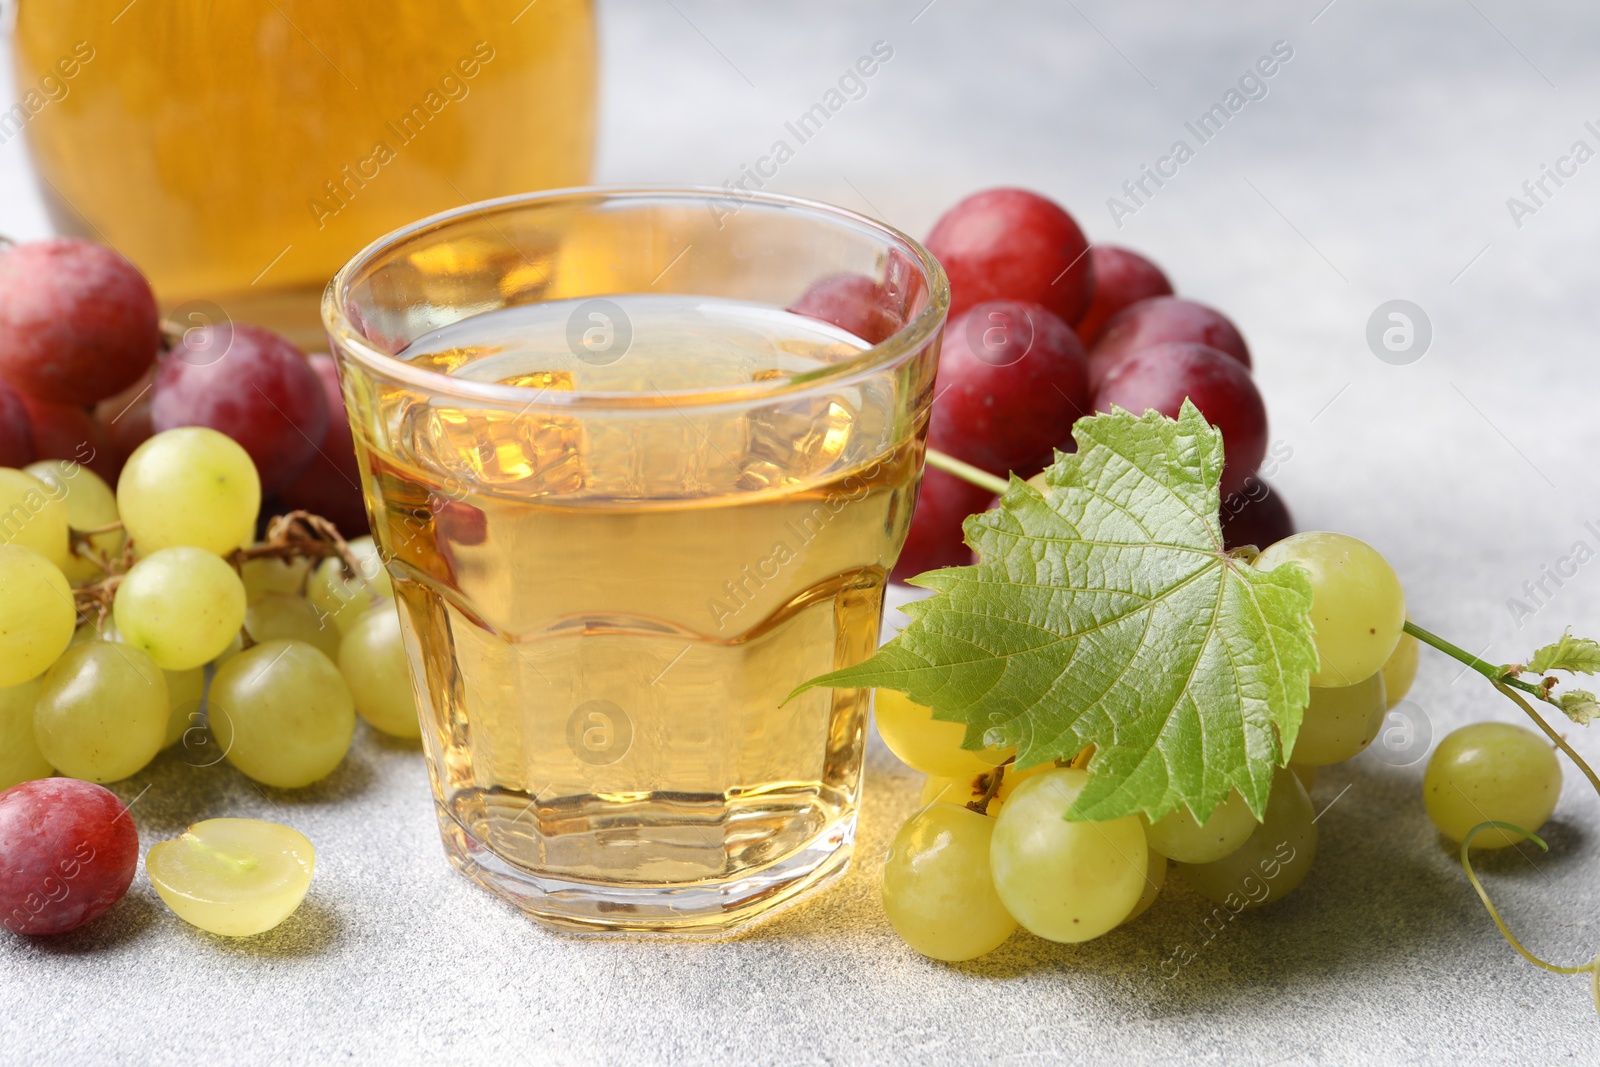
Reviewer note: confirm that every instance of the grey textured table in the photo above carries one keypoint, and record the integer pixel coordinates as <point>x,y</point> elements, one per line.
<point>1378,166</point>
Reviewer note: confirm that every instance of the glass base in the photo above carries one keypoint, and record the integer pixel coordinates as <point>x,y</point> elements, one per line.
<point>690,908</point>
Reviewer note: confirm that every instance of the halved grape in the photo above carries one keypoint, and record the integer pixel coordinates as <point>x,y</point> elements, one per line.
<point>102,712</point>
<point>233,877</point>
<point>929,745</point>
<point>1177,835</point>
<point>37,614</point>
<point>1066,881</point>
<point>373,660</point>
<point>292,618</point>
<point>1357,608</point>
<point>190,487</point>
<point>1273,861</point>
<point>1340,722</point>
<point>90,505</point>
<point>1491,772</point>
<point>20,758</point>
<point>282,713</point>
<point>70,850</point>
<point>33,515</point>
<point>937,889</point>
<point>345,597</point>
<point>181,605</point>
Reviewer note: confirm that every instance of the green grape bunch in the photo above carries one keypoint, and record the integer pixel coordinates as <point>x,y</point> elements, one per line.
<point>1108,690</point>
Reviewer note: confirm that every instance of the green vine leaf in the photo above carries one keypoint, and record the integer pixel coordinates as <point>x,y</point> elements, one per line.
<point>1575,655</point>
<point>1106,612</point>
<point>1581,706</point>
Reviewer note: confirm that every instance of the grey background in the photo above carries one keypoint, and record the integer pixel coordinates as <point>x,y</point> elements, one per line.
<point>1377,168</point>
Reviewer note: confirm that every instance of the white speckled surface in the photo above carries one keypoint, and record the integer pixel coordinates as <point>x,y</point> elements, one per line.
<point>1377,167</point>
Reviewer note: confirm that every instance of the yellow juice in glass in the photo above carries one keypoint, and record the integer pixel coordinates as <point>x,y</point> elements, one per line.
<point>239,153</point>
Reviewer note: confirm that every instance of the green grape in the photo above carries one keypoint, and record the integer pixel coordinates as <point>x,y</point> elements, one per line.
<point>1014,778</point>
<point>1178,836</point>
<point>1400,669</point>
<point>961,792</point>
<point>34,515</point>
<point>291,618</point>
<point>233,877</point>
<point>37,614</point>
<point>272,575</point>
<point>1307,776</point>
<point>1272,862</point>
<point>20,758</point>
<point>282,713</point>
<point>1491,772</point>
<point>1357,605</point>
<point>181,605</point>
<point>185,689</point>
<point>345,598</point>
<point>90,505</point>
<point>1065,881</point>
<point>373,660</point>
<point>1155,877</point>
<point>1340,723</point>
<point>102,712</point>
<point>937,889</point>
<point>189,487</point>
<point>929,745</point>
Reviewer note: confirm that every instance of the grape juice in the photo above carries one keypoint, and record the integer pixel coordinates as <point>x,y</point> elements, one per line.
<point>607,614</point>
<point>240,152</point>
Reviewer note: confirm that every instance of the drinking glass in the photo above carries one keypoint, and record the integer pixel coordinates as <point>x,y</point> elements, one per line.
<point>630,503</point>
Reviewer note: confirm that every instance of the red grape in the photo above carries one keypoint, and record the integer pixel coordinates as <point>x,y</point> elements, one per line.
<point>1159,320</point>
<point>1121,278</point>
<point>68,850</point>
<point>77,321</point>
<point>126,416</point>
<point>61,431</point>
<point>1220,387</point>
<point>1255,515</point>
<point>854,303</point>
<point>943,503</point>
<point>330,485</point>
<point>1012,380</point>
<point>16,430</point>
<point>1010,244</point>
<point>252,385</point>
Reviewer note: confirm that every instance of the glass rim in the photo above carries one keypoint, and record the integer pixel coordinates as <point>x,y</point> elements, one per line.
<point>347,340</point>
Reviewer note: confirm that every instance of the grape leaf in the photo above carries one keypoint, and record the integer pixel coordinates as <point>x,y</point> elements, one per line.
<point>1580,706</point>
<point>1107,613</point>
<point>1576,655</point>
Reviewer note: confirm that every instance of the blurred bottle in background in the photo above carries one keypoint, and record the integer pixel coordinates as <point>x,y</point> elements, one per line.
<point>240,153</point>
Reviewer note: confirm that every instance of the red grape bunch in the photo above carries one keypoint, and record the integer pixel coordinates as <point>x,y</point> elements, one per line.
<point>1045,328</point>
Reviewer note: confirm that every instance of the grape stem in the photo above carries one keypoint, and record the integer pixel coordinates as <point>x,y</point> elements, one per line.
<point>1506,681</point>
<point>967,472</point>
